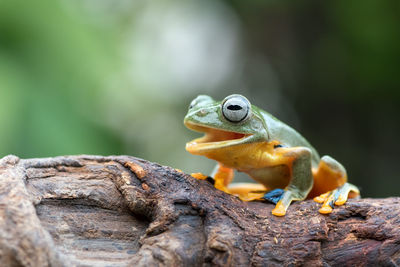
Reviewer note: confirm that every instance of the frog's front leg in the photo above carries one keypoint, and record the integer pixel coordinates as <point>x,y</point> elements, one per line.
<point>299,161</point>
<point>223,176</point>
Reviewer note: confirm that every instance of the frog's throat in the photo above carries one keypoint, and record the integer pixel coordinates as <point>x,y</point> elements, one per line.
<point>214,139</point>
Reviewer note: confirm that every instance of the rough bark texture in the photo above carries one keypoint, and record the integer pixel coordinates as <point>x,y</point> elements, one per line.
<point>118,211</point>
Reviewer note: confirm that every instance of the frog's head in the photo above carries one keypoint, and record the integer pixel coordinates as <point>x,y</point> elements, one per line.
<point>233,121</point>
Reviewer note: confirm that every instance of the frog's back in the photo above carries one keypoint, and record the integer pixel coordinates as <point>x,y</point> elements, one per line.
<point>286,135</point>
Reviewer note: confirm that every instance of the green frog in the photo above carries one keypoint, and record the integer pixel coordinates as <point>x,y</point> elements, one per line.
<point>242,137</point>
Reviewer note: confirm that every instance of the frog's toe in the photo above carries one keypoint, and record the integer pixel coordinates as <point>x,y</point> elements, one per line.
<point>322,198</point>
<point>328,203</point>
<point>344,192</point>
<point>279,210</point>
<point>337,197</point>
<point>274,195</point>
<point>341,200</point>
<point>325,210</point>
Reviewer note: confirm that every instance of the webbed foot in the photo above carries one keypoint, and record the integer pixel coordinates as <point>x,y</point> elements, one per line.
<point>274,195</point>
<point>280,209</point>
<point>247,191</point>
<point>336,197</point>
<point>282,199</point>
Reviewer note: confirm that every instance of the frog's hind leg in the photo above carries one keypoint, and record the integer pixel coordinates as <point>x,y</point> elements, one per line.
<point>329,175</point>
<point>330,185</point>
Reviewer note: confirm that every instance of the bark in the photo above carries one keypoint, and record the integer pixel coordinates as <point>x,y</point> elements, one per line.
<point>120,210</point>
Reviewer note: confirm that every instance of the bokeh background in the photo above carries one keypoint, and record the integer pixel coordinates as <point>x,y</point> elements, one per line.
<point>116,77</point>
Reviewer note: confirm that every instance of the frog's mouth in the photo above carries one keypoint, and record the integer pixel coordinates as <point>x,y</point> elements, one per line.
<point>213,138</point>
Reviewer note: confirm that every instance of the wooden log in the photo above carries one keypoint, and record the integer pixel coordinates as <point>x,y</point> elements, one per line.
<point>124,211</point>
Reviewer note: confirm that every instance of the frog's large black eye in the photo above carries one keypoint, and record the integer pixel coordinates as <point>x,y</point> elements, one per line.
<point>235,108</point>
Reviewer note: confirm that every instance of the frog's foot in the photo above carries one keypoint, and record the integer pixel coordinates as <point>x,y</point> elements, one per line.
<point>336,197</point>
<point>247,191</point>
<point>274,195</point>
<point>284,198</point>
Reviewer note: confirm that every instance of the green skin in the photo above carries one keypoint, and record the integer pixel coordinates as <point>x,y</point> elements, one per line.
<point>262,127</point>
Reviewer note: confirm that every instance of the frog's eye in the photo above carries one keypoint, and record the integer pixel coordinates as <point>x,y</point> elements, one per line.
<point>235,108</point>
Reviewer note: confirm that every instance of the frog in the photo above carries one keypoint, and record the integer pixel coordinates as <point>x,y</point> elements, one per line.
<point>284,165</point>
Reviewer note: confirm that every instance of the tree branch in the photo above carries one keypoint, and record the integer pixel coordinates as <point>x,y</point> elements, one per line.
<point>120,210</point>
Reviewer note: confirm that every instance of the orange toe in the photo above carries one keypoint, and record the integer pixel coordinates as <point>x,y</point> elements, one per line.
<point>322,198</point>
<point>279,210</point>
<point>340,201</point>
<point>319,199</point>
<point>325,210</point>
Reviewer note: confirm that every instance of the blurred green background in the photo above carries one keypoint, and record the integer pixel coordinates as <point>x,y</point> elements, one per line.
<point>116,77</point>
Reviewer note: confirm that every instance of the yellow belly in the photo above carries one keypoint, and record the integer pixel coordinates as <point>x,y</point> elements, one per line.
<point>239,157</point>
<point>257,160</point>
